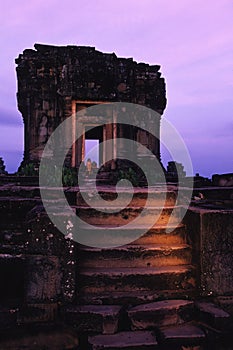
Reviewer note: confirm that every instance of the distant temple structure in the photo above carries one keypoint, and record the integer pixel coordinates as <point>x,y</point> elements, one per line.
<point>55,82</point>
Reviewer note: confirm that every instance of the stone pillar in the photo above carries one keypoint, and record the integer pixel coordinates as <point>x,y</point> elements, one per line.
<point>109,136</point>
<point>120,143</point>
<point>114,125</point>
<point>83,142</point>
<point>104,145</point>
<point>74,144</point>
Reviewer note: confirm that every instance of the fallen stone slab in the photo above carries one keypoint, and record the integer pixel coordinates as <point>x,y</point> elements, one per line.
<point>213,315</point>
<point>186,334</point>
<point>226,303</point>
<point>141,340</point>
<point>93,318</point>
<point>160,313</point>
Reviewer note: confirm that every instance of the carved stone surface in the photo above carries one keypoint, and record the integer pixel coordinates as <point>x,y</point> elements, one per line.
<point>43,278</point>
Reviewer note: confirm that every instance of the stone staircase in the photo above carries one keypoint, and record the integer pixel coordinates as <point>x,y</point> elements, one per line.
<point>156,265</point>
<point>139,295</point>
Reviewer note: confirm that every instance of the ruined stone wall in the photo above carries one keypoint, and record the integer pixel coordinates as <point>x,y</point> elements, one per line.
<point>51,77</point>
<point>211,236</point>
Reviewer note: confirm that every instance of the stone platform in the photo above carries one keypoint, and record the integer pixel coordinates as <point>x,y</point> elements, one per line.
<point>143,295</point>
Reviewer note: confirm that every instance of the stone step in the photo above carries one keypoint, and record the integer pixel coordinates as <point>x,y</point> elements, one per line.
<point>151,216</point>
<point>141,340</point>
<point>183,335</point>
<point>158,235</point>
<point>114,236</point>
<point>93,318</point>
<point>160,314</point>
<point>102,280</point>
<point>140,198</point>
<point>12,190</point>
<point>127,298</point>
<point>153,255</point>
<point>214,316</point>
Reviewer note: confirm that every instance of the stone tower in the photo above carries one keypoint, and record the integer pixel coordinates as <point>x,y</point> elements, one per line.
<point>56,82</point>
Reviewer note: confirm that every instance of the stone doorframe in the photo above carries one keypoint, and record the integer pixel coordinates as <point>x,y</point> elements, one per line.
<point>86,121</point>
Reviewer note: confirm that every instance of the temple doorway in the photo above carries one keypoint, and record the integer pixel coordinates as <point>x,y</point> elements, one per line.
<point>92,149</point>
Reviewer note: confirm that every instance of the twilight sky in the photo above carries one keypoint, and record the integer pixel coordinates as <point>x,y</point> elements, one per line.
<point>192,40</point>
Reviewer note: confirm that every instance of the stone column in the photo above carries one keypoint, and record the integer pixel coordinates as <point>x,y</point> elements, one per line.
<point>104,145</point>
<point>74,151</point>
<point>109,134</point>
<point>83,142</point>
<point>120,142</point>
<point>113,166</point>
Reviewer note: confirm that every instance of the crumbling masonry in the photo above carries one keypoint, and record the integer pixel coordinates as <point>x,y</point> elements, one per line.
<point>54,82</point>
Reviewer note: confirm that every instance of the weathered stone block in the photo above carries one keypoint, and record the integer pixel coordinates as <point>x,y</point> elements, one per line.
<point>183,335</point>
<point>93,318</point>
<point>214,316</point>
<point>37,313</point>
<point>43,279</point>
<point>160,313</point>
<point>226,303</point>
<point>213,230</point>
<point>125,340</point>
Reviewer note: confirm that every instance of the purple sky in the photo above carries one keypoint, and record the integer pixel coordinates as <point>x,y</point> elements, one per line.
<point>191,40</point>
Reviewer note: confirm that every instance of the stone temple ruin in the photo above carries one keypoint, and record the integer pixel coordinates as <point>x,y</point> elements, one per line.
<point>168,289</point>
<point>56,82</point>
